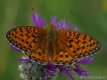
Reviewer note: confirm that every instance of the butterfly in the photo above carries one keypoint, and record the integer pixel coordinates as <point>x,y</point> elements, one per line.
<point>55,46</point>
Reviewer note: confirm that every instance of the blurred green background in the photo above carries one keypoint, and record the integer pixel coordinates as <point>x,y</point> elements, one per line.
<point>89,15</point>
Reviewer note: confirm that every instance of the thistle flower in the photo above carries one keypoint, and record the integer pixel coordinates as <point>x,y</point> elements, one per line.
<point>30,70</point>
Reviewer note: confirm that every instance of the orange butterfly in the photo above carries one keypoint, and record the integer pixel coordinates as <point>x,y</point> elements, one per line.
<point>55,46</point>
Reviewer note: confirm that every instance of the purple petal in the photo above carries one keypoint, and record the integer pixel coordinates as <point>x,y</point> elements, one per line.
<point>58,25</point>
<point>54,21</point>
<point>51,66</point>
<point>80,71</point>
<point>62,24</point>
<point>66,71</point>
<point>51,69</point>
<point>24,59</point>
<point>15,49</point>
<point>65,25</point>
<point>37,20</point>
<point>87,60</point>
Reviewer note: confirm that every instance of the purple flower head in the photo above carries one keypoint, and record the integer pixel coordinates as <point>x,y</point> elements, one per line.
<point>50,70</point>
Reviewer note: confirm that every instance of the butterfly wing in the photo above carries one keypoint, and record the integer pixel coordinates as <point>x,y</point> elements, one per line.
<point>82,45</point>
<point>72,46</point>
<point>31,40</point>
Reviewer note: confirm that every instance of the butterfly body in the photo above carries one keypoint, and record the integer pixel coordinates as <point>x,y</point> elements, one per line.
<point>55,46</point>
